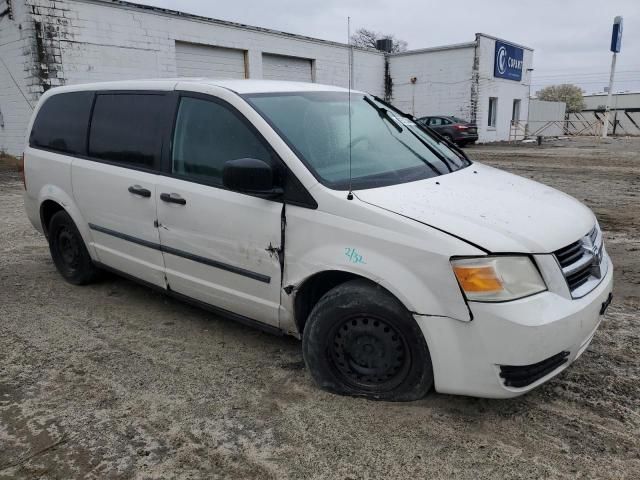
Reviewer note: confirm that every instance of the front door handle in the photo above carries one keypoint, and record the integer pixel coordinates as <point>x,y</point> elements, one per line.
<point>172,198</point>
<point>138,190</point>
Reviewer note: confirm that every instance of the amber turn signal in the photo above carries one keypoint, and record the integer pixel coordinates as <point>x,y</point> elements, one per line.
<point>475,279</point>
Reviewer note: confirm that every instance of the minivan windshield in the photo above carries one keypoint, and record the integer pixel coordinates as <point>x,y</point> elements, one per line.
<point>386,148</point>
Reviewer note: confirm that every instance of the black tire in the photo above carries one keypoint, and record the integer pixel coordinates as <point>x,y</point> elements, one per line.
<point>69,252</point>
<point>359,340</point>
<point>448,138</point>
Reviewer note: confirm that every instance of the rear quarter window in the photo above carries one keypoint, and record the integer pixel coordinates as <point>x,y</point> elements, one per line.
<point>62,122</point>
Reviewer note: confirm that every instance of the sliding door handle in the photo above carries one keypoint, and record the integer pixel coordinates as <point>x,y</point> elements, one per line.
<point>138,190</point>
<point>172,198</point>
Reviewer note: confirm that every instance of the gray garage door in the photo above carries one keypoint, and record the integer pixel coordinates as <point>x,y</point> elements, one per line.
<point>280,67</point>
<point>194,60</point>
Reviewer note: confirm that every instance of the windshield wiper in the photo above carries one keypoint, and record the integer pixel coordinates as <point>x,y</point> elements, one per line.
<point>384,113</point>
<point>425,128</point>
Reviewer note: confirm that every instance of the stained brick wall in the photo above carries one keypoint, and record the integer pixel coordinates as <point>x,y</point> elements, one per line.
<point>18,89</point>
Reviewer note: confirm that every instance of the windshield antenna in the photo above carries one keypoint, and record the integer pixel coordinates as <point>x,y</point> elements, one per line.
<point>350,194</point>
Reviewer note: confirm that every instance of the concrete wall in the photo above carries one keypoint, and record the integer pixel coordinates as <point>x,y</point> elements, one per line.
<point>443,81</point>
<point>505,90</point>
<point>618,101</point>
<point>81,41</point>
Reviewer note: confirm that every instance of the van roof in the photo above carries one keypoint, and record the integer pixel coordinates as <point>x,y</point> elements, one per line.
<point>238,86</point>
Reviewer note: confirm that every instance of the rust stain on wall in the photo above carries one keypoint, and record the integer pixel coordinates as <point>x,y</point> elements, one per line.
<point>51,26</point>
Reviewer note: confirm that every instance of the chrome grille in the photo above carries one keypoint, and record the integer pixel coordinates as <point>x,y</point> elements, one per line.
<point>582,263</point>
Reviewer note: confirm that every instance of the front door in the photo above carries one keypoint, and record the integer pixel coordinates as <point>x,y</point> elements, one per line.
<point>219,246</point>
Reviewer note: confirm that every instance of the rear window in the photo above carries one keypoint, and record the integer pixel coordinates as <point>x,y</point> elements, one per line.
<point>127,128</point>
<point>61,124</point>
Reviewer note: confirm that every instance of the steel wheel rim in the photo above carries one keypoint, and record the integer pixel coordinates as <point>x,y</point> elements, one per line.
<point>68,248</point>
<point>369,353</point>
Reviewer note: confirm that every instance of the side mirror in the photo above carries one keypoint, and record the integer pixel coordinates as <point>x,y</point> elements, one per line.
<point>250,175</point>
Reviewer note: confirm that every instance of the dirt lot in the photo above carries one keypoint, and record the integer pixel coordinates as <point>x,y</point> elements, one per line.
<point>115,381</point>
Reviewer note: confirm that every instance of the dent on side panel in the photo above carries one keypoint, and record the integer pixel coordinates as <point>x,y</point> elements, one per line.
<point>405,260</point>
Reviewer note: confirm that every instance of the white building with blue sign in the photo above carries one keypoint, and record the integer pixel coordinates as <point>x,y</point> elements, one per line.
<point>44,44</point>
<point>486,82</point>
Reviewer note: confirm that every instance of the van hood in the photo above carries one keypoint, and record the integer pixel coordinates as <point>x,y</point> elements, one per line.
<point>490,208</point>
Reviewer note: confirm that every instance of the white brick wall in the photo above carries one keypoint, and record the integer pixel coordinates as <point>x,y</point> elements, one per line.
<point>443,81</point>
<point>505,90</point>
<point>15,79</point>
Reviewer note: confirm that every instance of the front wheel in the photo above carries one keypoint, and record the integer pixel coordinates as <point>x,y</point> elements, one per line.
<point>359,340</point>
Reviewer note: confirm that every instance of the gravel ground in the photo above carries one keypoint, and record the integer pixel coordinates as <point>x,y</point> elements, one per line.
<point>116,381</point>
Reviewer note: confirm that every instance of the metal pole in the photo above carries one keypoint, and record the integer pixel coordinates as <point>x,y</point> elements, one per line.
<point>605,122</point>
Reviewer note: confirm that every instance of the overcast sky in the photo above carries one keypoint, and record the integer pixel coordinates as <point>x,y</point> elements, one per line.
<point>570,37</point>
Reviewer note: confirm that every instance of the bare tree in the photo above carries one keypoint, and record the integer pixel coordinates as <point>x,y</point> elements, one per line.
<point>567,93</point>
<point>366,38</point>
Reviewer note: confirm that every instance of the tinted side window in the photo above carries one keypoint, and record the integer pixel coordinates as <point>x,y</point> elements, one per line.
<point>435,122</point>
<point>62,122</point>
<point>207,134</point>
<point>446,121</point>
<point>127,128</point>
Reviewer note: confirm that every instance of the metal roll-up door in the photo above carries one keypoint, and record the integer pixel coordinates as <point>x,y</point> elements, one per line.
<point>280,67</point>
<point>193,60</point>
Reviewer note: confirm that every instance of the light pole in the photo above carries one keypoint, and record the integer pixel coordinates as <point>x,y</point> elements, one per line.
<point>616,43</point>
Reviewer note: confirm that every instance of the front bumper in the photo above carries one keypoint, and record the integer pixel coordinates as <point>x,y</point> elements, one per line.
<point>466,356</point>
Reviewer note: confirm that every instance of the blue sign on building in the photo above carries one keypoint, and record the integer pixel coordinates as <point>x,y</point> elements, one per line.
<point>508,61</point>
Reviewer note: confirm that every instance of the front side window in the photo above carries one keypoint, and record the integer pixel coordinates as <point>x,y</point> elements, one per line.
<point>385,148</point>
<point>61,124</point>
<point>127,128</point>
<point>207,134</point>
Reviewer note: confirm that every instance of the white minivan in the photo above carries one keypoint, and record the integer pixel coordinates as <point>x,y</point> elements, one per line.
<point>327,215</point>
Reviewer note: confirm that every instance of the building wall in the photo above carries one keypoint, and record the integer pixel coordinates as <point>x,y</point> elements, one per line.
<point>57,42</point>
<point>442,81</point>
<point>505,90</point>
<point>79,41</point>
<point>18,92</point>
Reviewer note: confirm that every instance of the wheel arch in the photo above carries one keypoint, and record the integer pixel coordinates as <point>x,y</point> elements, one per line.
<point>53,199</point>
<point>48,209</point>
<point>310,291</point>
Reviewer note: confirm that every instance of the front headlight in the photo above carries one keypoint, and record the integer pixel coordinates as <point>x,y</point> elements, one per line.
<point>497,279</point>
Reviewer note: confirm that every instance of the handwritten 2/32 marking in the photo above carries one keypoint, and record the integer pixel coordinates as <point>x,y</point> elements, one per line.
<point>353,256</point>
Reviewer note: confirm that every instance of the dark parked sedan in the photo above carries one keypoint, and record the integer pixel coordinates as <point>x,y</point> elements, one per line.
<point>452,128</point>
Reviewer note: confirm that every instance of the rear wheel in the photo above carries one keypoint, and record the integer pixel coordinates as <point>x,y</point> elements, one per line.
<point>360,340</point>
<point>448,138</point>
<point>69,252</point>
